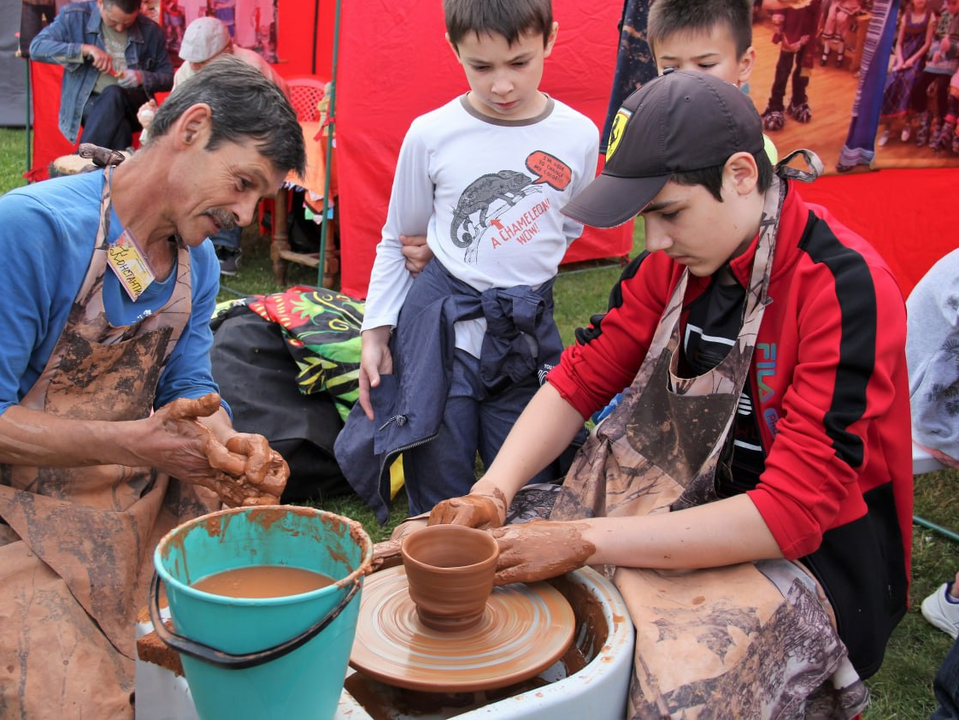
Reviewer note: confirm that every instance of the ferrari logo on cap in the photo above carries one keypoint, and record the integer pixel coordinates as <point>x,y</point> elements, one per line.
<point>616,131</point>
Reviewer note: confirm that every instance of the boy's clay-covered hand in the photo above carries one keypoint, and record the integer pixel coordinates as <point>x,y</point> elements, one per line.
<point>386,554</point>
<point>245,471</point>
<point>539,550</point>
<point>478,509</point>
<point>375,360</point>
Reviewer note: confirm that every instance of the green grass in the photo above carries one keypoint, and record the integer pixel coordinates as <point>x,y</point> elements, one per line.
<point>13,158</point>
<point>256,271</point>
<point>902,688</point>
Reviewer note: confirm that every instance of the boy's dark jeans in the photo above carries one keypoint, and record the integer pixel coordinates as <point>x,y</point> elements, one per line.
<point>227,239</point>
<point>945,687</point>
<point>473,422</point>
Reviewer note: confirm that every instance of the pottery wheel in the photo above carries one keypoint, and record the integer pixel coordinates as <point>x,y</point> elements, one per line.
<point>524,630</point>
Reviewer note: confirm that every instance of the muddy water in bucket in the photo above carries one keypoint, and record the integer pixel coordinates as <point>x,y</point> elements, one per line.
<point>264,657</point>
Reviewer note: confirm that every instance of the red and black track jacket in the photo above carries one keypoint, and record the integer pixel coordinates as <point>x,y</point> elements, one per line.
<point>830,398</point>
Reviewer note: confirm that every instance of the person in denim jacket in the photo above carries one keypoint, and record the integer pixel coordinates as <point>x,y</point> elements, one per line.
<point>114,60</point>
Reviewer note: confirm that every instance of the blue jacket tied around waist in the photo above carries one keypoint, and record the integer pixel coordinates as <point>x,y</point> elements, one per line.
<point>408,405</point>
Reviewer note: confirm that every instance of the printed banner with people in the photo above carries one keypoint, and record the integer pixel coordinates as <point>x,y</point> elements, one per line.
<point>252,23</point>
<point>863,83</point>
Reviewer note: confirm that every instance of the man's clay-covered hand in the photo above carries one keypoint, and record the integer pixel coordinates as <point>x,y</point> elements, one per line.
<point>480,510</point>
<point>245,471</point>
<point>265,471</point>
<point>539,550</point>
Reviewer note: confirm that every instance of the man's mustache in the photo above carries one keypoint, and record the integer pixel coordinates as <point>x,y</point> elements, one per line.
<point>225,220</point>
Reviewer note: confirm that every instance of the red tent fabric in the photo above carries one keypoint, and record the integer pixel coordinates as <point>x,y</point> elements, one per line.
<point>909,215</point>
<point>48,142</point>
<point>395,65</point>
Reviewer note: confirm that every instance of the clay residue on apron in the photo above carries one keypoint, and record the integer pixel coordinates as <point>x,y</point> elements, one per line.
<point>724,641</point>
<point>83,361</point>
<point>78,570</point>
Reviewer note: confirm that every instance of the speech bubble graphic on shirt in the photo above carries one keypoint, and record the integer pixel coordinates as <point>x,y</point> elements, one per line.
<point>548,169</point>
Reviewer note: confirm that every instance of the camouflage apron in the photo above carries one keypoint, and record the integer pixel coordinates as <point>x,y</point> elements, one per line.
<point>750,640</point>
<point>75,554</point>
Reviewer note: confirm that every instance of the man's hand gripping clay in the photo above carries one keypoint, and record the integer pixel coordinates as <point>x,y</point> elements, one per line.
<point>244,471</point>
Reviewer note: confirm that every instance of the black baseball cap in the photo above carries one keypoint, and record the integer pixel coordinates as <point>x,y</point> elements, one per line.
<point>678,122</point>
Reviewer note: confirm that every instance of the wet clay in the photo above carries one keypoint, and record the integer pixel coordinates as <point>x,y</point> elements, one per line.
<point>263,581</point>
<point>151,649</point>
<point>523,630</point>
<point>450,570</point>
<point>592,631</point>
<point>383,701</point>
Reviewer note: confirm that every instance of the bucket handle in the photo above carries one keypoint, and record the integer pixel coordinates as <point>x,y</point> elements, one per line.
<point>222,659</point>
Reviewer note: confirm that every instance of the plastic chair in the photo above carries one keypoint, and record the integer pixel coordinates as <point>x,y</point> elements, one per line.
<point>306,91</point>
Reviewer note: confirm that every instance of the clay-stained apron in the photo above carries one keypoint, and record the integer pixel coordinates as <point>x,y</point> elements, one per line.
<point>75,559</point>
<point>751,640</point>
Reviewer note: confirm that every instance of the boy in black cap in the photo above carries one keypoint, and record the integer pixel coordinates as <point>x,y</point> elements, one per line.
<point>760,460</point>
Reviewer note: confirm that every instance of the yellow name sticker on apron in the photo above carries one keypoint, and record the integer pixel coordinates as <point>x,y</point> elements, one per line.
<point>130,267</point>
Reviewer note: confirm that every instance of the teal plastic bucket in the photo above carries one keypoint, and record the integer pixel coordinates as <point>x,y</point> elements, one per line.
<point>265,657</point>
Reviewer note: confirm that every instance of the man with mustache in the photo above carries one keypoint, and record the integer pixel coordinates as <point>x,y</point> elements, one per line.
<point>207,38</point>
<point>112,430</point>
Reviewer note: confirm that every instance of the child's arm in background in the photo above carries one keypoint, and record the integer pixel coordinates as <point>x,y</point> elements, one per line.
<point>898,59</point>
<point>411,206</point>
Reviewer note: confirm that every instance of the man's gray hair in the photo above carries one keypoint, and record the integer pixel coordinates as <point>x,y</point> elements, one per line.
<point>243,105</point>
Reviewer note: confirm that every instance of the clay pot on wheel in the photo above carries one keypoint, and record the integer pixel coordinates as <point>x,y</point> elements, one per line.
<point>450,571</point>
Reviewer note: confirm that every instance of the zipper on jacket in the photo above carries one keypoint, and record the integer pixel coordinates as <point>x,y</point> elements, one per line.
<point>391,456</point>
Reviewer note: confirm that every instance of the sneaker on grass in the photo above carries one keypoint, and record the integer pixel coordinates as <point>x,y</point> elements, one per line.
<point>941,610</point>
<point>229,261</point>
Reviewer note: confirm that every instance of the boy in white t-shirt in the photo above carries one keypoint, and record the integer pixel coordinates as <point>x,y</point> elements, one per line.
<point>484,178</point>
